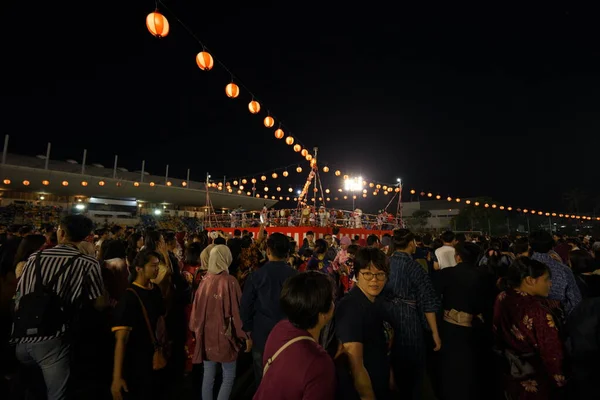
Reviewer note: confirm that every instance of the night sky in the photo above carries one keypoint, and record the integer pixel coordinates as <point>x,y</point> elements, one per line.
<point>461,102</point>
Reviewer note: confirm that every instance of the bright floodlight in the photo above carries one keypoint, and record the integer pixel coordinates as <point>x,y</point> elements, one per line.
<point>353,184</point>
<point>80,206</point>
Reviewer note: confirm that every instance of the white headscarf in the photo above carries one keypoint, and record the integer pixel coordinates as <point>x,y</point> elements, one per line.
<point>205,255</point>
<point>220,259</point>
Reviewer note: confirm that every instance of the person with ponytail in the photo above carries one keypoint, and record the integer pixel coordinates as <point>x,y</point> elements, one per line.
<point>527,333</point>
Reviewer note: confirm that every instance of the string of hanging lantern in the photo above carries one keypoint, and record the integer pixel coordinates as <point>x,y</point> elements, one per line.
<point>158,25</point>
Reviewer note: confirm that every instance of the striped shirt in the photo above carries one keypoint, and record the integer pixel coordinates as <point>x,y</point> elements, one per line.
<point>81,281</point>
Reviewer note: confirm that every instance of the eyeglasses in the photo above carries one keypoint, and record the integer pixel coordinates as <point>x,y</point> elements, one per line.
<point>369,275</point>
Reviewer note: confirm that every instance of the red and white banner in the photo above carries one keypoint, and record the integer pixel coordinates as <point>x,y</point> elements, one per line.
<point>299,233</point>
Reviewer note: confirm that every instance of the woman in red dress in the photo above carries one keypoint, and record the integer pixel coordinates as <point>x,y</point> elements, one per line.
<point>527,334</point>
<point>192,273</point>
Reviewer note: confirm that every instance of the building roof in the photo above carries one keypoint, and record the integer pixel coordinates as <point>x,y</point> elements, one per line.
<point>32,169</point>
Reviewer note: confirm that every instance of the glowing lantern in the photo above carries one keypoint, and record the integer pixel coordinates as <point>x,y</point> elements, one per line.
<point>476,204</point>
<point>308,157</point>
<point>554,214</point>
<point>385,192</point>
<point>278,188</point>
<point>346,177</point>
<point>26,183</point>
<point>100,183</point>
<point>428,194</point>
<point>269,121</point>
<point>6,182</point>
<point>84,183</point>
<point>449,198</point>
<point>152,184</point>
<point>299,169</point>
<point>254,107</point>
<point>457,200</point>
<point>274,175</point>
<point>297,148</point>
<point>244,181</point>
<point>266,188</point>
<point>169,184</point>
<point>290,190</point>
<point>232,91</point>
<point>235,183</point>
<point>157,24</point>
<point>371,184</point>
<point>468,201</point>
<point>289,140</point>
<point>326,169</point>
<point>413,191</point>
<point>263,178</point>
<point>136,184</point>
<point>509,208</point>
<point>438,197</point>
<point>253,180</point>
<point>205,61</point>
<point>278,133</point>
<point>304,152</point>
<point>65,183</point>
<point>285,174</point>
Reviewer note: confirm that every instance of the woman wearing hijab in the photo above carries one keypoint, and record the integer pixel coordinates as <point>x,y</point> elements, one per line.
<point>216,323</point>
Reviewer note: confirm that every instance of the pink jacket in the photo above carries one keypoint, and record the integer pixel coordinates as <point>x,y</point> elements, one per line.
<point>215,319</point>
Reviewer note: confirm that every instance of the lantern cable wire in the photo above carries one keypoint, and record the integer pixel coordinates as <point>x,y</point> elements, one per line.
<point>218,61</point>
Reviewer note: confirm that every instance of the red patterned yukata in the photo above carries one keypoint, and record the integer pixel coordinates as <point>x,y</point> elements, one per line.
<point>526,327</point>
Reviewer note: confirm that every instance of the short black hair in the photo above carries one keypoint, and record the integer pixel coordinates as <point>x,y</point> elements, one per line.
<point>237,232</point>
<point>541,241</point>
<point>304,296</point>
<point>448,236</point>
<point>77,227</point>
<point>279,244</point>
<point>192,253</point>
<point>372,240</point>
<point>468,252</point>
<point>370,255</point>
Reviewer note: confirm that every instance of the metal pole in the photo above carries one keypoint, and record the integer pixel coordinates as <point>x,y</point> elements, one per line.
<point>143,168</point>
<point>188,178</point>
<point>83,161</point>
<point>48,155</point>
<point>167,174</point>
<point>316,149</point>
<point>115,167</point>
<point>5,150</point>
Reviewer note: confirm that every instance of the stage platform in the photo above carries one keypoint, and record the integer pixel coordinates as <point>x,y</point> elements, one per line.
<point>299,232</point>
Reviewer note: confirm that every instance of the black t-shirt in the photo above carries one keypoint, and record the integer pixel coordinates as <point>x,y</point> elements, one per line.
<point>128,315</point>
<point>359,320</point>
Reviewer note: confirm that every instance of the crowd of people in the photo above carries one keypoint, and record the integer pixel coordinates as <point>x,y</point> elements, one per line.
<point>124,314</point>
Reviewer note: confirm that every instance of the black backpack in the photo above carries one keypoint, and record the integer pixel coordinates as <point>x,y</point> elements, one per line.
<point>41,313</point>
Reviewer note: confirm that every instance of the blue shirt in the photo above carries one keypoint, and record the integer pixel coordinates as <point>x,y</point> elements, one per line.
<point>259,306</point>
<point>564,287</point>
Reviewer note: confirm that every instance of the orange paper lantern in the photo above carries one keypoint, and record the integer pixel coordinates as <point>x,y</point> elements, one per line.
<point>279,133</point>
<point>232,90</point>
<point>304,152</point>
<point>205,61</point>
<point>269,121</point>
<point>254,107</point>
<point>297,148</point>
<point>326,169</point>
<point>289,140</point>
<point>157,24</point>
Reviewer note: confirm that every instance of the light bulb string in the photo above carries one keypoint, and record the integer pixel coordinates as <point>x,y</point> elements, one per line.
<point>234,77</point>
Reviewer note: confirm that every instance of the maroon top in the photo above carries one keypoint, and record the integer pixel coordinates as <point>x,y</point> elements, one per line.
<point>526,326</point>
<point>306,369</point>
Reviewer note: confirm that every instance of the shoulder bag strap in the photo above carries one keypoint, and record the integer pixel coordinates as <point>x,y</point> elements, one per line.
<point>150,331</point>
<point>282,348</point>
